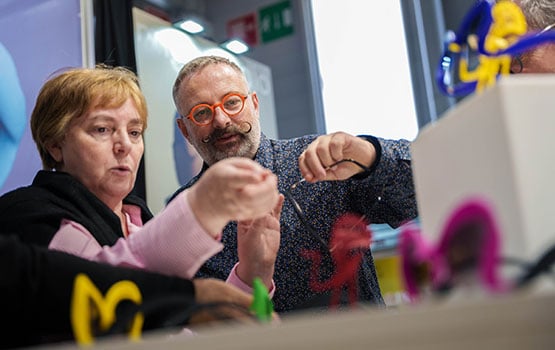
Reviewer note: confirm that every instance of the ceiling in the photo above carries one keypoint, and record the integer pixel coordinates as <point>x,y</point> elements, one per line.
<point>173,9</point>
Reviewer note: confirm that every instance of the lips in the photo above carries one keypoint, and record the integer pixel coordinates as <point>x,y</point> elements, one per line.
<point>121,169</point>
<point>227,138</point>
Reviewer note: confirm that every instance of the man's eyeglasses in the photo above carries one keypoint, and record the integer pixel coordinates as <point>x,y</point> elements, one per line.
<point>289,194</point>
<point>548,28</point>
<point>203,114</point>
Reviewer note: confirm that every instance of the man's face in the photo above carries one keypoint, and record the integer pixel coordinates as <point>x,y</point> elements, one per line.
<point>540,60</point>
<point>237,136</point>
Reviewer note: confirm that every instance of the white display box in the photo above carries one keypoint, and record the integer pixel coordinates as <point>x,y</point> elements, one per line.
<point>499,145</point>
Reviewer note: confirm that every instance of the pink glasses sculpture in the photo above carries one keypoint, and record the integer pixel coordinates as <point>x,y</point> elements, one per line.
<point>470,241</point>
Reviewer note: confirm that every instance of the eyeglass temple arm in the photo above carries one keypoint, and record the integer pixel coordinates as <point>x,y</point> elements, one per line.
<point>304,220</point>
<point>299,211</point>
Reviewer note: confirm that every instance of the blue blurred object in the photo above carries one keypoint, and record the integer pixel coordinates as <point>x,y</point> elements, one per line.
<point>12,113</point>
<point>384,237</point>
<point>468,44</point>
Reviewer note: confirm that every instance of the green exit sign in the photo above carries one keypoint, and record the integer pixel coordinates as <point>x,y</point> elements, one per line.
<point>276,21</point>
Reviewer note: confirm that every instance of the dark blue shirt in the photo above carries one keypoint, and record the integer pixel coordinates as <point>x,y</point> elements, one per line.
<point>384,195</point>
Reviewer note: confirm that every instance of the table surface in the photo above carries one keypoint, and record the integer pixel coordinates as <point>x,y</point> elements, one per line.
<point>517,321</point>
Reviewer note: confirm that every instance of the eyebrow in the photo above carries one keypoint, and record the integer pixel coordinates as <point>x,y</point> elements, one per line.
<point>104,117</point>
<point>220,98</point>
<point>136,121</point>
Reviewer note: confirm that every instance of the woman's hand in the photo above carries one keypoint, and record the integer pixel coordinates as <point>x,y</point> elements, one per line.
<point>235,303</point>
<point>233,189</point>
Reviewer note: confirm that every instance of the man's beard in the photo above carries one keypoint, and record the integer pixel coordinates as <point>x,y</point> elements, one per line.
<point>246,146</point>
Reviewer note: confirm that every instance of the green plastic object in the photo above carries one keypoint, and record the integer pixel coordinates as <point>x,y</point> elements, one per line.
<point>262,305</point>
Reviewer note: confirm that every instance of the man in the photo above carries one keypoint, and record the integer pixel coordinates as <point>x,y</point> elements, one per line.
<point>220,118</point>
<point>540,17</point>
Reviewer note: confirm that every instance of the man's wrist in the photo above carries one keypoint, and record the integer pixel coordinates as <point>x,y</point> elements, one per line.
<point>378,155</point>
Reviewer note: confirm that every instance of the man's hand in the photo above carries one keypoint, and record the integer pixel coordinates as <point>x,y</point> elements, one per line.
<point>326,150</point>
<point>257,246</point>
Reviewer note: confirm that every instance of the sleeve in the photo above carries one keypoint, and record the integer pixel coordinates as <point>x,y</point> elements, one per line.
<point>234,279</point>
<point>392,183</point>
<point>173,243</point>
<point>36,288</point>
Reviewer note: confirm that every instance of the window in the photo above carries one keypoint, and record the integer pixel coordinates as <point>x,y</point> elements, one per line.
<point>366,81</point>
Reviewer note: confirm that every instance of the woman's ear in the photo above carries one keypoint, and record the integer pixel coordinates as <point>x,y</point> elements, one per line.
<point>55,151</point>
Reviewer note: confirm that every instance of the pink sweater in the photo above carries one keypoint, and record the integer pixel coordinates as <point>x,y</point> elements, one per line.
<point>172,242</point>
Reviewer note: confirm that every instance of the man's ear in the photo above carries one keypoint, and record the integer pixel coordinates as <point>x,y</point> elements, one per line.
<point>181,125</point>
<point>55,151</point>
<point>516,65</point>
<point>254,97</point>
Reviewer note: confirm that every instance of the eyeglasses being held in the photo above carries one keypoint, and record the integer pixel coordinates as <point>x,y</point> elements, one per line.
<point>296,206</point>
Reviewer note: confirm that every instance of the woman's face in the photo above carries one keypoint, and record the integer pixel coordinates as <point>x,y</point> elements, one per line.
<point>102,149</point>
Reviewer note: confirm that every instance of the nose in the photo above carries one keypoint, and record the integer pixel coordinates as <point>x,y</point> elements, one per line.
<point>221,120</point>
<point>122,142</point>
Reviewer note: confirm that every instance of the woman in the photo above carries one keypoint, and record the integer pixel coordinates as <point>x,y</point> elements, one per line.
<point>88,125</point>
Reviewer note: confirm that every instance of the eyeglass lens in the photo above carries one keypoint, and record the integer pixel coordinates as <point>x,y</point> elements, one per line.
<point>231,105</point>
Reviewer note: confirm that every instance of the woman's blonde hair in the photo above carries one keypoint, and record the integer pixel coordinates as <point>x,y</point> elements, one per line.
<point>73,92</point>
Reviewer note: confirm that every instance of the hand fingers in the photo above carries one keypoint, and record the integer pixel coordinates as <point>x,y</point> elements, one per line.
<point>310,166</point>
<point>216,314</point>
<point>337,147</point>
<point>211,290</point>
<point>233,304</point>
<point>317,162</point>
<point>320,155</point>
<point>243,171</point>
<point>245,226</point>
<point>241,187</point>
<point>258,198</point>
<point>276,213</point>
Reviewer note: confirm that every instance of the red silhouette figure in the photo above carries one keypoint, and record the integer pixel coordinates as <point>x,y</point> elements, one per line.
<point>350,239</point>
